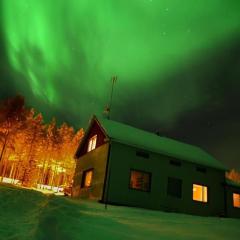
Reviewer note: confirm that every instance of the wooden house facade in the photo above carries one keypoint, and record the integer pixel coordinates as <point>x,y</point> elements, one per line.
<point>123,165</point>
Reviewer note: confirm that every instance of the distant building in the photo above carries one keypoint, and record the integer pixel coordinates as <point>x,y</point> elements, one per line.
<point>119,164</point>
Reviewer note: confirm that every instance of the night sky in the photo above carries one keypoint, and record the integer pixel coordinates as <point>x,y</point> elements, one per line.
<point>177,62</point>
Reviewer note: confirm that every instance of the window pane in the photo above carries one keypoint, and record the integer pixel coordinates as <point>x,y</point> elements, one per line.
<point>94,140</point>
<point>92,143</point>
<point>174,187</point>
<point>140,180</point>
<point>236,200</point>
<point>205,197</point>
<point>89,145</point>
<point>200,193</point>
<point>87,178</point>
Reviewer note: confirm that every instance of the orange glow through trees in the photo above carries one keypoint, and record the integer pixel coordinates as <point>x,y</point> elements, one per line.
<point>32,153</point>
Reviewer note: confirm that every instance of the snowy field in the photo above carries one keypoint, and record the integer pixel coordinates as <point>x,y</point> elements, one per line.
<point>29,215</point>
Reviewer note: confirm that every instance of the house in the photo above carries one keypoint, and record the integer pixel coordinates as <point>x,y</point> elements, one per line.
<point>123,165</point>
<point>232,192</point>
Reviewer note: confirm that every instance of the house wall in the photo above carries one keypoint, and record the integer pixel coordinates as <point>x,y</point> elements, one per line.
<point>101,138</point>
<point>123,158</point>
<point>96,160</point>
<point>231,210</point>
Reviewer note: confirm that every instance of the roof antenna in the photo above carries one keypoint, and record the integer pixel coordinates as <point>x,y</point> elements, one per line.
<point>108,108</point>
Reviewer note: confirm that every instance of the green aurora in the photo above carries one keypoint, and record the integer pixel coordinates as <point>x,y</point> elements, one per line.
<point>71,48</point>
<point>169,56</point>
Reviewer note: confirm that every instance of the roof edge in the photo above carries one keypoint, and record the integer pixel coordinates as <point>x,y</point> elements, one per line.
<point>223,168</point>
<point>91,121</point>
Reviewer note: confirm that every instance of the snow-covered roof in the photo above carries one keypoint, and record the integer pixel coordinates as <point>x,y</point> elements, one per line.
<point>151,142</point>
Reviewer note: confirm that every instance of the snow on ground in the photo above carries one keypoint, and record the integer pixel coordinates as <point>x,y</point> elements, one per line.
<point>30,215</point>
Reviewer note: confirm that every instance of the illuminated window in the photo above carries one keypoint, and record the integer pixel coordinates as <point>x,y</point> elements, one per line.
<point>200,193</point>
<point>87,178</point>
<point>140,180</point>
<point>236,200</point>
<point>92,143</point>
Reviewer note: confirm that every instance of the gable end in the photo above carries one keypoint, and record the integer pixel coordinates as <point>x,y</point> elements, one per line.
<point>94,128</point>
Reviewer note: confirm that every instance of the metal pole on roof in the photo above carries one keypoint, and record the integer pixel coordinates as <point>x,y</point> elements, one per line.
<point>113,79</point>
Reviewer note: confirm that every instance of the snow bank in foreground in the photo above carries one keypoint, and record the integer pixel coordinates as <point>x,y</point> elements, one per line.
<point>19,212</point>
<point>27,214</point>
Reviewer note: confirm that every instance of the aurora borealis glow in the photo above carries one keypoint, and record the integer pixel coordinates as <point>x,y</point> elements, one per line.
<point>169,56</point>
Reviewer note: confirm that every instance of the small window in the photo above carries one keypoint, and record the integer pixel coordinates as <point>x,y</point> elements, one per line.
<point>201,169</point>
<point>142,154</point>
<point>140,180</point>
<point>87,178</point>
<point>92,143</point>
<point>174,187</point>
<point>175,163</point>
<point>236,200</point>
<point>200,193</point>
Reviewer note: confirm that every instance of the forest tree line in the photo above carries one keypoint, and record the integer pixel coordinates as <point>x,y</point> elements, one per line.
<point>233,175</point>
<point>34,153</point>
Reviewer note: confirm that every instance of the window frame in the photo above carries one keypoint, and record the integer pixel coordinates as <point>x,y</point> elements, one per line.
<point>237,193</point>
<point>141,171</point>
<point>201,201</point>
<point>84,178</point>
<point>171,195</point>
<point>90,143</point>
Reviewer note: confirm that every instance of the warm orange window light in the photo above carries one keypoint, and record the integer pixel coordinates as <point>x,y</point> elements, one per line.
<point>200,193</point>
<point>140,180</point>
<point>88,178</point>
<point>236,200</point>
<point>92,143</point>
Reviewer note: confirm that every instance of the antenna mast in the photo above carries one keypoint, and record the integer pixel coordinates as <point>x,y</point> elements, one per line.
<point>109,107</point>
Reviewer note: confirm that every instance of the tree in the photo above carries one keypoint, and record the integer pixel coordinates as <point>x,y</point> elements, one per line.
<point>51,142</point>
<point>12,115</point>
<point>233,175</point>
<point>34,143</point>
<point>32,152</point>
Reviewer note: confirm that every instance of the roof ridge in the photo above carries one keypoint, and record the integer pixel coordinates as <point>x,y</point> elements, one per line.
<point>133,136</point>
<point>155,135</point>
